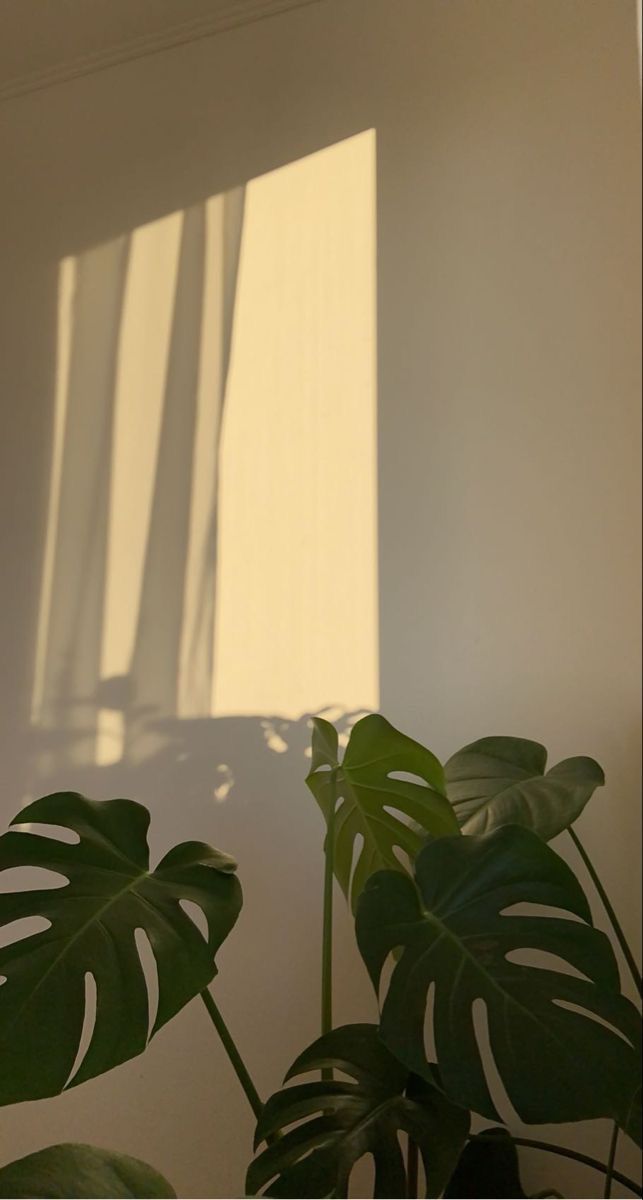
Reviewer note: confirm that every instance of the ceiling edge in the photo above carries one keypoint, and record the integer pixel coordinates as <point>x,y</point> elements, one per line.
<point>231,14</point>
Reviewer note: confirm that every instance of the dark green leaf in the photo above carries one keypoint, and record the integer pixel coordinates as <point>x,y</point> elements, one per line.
<point>73,1172</point>
<point>502,781</point>
<point>556,1058</point>
<point>487,1169</point>
<point>324,745</point>
<point>342,1121</point>
<point>110,893</point>
<point>389,814</point>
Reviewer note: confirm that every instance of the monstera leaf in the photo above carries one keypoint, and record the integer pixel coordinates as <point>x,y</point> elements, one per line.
<point>388,813</point>
<point>502,781</point>
<point>73,1172</point>
<point>565,1045</point>
<point>339,1121</point>
<point>111,892</point>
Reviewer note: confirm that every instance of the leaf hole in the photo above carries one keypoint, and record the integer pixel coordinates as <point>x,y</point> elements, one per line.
<point>587,1012</point>
<point>358,846</point>
<point>409,777</point>
<point>24,927</point>
<point>197,917</point>
<point>343,1076</point>
<point>150,971</point>
<point>429,1027</point>
<point>544,961</point>
<point>57,833</point>
<point>362,1180</point>
<point>525,908</point>
<point>288,1126</point>
<point>498,1092</point>
<point>30,879</point>
<point>390,963</point>
<point>402,857</point>
<point>89,1021</point>
<point>402,817</point>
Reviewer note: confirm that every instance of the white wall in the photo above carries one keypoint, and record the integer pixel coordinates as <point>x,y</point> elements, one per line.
<point>508,302</point>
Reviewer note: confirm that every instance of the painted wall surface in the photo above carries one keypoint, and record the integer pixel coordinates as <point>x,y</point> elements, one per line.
<point>505,144</point>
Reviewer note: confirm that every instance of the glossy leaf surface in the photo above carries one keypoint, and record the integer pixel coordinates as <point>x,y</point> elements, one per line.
<point>556,1059</point>
<point>73,1171</point>
<point>502,781</point>
<point>108,893</point>
<point>386,813</point>
<point>338,1121</point>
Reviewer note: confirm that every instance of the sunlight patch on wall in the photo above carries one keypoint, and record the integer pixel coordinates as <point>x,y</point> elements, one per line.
<point>212,534</point>
<point>297,619</point>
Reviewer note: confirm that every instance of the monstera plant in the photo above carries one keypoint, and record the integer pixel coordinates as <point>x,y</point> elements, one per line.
<point>438,865</point>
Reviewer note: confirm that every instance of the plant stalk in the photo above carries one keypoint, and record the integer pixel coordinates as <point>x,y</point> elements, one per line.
<point>327,930</point>
<point>609,1174</point>
<point>230,1048</point>
<point>594,1163</point>
<point>614,921</point>
<point>412,1163</point>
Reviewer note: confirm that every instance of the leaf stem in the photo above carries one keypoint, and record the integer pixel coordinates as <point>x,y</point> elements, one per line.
<point>614,921</point>
<point>581,1158</point>
<point>230,1048</point>
<point>412,1163</point>
<point>609,1174</point>
<point>327,930</point>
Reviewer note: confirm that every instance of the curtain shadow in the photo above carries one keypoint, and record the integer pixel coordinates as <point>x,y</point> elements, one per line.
<point>71,637</point>
<point>199,664</point>
<point>154,673</point>
<point>174,625</point>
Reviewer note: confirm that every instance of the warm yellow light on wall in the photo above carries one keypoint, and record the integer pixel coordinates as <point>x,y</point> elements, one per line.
<point>296,624</point>
<point>212,548</point>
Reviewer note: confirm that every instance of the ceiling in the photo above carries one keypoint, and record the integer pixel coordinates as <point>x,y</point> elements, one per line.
<point>45,41</point>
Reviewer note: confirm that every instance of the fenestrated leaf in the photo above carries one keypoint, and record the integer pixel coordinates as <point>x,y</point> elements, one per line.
<point>487,1170</point>
<point>387,813</point>
<point>110,893</point>
<point>342,1120</point>
<point>557,1060</point>
<point>73,1171</point>
<point>502,781</point>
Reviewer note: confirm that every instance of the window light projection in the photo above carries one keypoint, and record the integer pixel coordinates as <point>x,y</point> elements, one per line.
<point>212,535</point>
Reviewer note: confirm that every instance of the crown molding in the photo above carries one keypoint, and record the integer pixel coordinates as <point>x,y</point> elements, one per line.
<point>228,15</point>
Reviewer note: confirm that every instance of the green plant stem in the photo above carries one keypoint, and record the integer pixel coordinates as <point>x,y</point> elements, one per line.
<point>327,932</point>
<point>609,1174</point>
<point>230,1048</point>
<point>614,921</point>
<point>594,1163</point>
<point>412,1169</point>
